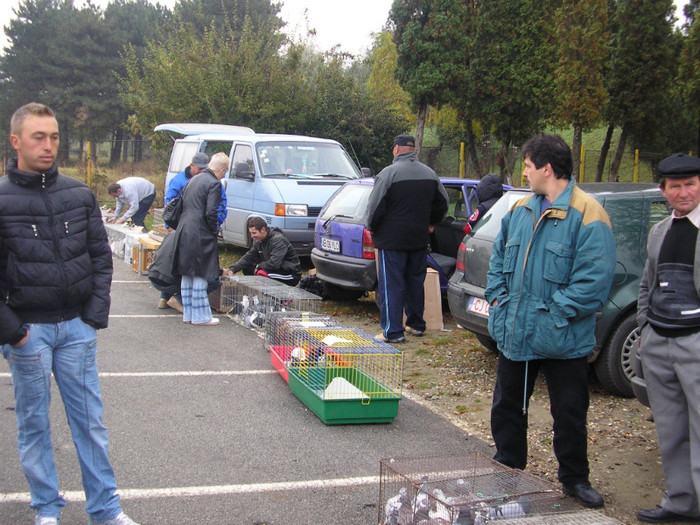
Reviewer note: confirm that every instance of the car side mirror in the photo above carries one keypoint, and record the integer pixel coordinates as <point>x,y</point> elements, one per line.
<point>366,172</point>
<point>243,171</point>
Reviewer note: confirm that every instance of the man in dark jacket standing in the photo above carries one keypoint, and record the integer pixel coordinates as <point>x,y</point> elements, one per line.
<point>406,201</point>
<point>55,278</point>
<point>272,255</point>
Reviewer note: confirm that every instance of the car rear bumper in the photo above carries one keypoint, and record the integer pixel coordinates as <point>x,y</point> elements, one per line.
<point>346,272</point>
<point>458,295</point>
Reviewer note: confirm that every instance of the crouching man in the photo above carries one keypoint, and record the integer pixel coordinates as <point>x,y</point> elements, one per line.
<point>272,255</point>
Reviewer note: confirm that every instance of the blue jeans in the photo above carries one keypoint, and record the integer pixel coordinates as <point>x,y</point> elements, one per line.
<point>144,205</point>
<point>69,350</point>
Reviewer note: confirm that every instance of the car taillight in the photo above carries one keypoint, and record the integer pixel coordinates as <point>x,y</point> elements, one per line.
<point>461,266</point>
<point>367,245</point>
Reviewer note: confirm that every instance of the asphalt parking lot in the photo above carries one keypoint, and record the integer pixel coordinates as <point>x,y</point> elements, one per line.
<point>203,431</point>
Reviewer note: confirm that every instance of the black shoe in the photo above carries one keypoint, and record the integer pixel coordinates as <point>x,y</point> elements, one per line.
<point>392,340</point>
<point>584,494</point>
<point>661,515</point>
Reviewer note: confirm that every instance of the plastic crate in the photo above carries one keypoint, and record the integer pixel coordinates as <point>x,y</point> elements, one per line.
<point>359,410</point>
<point>460,489</point>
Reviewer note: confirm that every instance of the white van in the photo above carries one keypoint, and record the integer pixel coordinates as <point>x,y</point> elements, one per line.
<point>285,179</point>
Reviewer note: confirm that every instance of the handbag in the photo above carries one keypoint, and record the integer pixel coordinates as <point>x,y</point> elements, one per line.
<point>172,212</point>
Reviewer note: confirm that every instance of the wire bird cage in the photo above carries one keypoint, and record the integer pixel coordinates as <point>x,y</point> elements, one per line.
<point>289,298</point>
<point>243,299</point>
<point>581,517</point>
<point>278,332</point>
<point>468,489</point>
<point>344,376</point>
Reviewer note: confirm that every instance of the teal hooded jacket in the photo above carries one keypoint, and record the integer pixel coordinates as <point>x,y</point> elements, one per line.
<point>550,274</point>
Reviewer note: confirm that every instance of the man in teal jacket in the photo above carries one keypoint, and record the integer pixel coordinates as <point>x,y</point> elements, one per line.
<point>550,272</point>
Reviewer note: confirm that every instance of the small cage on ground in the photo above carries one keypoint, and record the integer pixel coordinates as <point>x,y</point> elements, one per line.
<point>344,376</point>
<point>243,299</point>
<point>581,517</point>
<point>289,298</point>
<point>468,489</point>
<point>278,333</point>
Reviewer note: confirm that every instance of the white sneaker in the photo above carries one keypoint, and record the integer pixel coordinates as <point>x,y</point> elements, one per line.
<point>45,520</point>
<point>214,321</point>
<point>121,519</point>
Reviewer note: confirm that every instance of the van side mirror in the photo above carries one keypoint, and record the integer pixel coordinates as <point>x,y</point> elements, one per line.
<point>366,172</point>
<point>243,171</point>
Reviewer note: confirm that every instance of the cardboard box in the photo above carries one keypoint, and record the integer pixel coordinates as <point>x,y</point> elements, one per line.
<point>433,301</point>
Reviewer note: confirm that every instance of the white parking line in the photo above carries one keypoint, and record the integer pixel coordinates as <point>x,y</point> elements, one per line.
<point>213,490</point>
<point>183,373</point>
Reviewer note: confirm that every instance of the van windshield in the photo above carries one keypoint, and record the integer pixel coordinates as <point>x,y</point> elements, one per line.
<point>305,160</point>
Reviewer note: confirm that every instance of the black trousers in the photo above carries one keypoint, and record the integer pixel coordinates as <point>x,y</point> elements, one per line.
<point>567,384</point>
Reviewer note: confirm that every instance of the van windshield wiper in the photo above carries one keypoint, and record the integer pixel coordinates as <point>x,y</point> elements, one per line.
<point>334,175</point>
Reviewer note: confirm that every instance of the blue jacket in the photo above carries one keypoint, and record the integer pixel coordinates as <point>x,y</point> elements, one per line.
<point>177,184</point>
<point>550,275</point>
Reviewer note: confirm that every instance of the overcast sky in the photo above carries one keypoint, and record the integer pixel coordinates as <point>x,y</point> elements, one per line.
<point>348,23</point>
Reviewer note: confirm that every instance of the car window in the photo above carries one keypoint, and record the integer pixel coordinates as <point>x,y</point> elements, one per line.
<point>305,160</point>
<point>349,203</point>
<point>659,211</point>
<point>211,147</point>
<point>490,224</point>
<point>242,154</point>
<point>182,155</point>
<point>456,200</point>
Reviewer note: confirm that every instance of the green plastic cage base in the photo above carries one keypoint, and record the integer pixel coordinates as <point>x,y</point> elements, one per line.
<point>380,409</point>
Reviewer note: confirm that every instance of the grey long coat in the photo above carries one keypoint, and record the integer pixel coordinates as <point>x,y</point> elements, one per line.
<point>196,251</point>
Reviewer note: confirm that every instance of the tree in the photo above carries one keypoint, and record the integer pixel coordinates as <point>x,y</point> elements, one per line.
<point>641,68</point>
<point>431,62</point>
<point>582,50</point>
<point>511,73</point>
<point>689,74</point>
<point>228,14</point>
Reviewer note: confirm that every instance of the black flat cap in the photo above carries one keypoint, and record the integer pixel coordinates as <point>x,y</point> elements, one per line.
<point>679,166</point>
<point>405,140</point>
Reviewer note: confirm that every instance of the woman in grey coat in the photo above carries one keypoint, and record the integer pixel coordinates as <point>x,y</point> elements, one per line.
<point>196,252</point>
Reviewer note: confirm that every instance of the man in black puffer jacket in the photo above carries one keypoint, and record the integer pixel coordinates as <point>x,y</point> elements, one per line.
<point>55,278</point>
<point>272,255</point>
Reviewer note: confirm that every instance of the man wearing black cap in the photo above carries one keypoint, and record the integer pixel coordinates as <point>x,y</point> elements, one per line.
<point>668,314</point>
<point>407,199</point>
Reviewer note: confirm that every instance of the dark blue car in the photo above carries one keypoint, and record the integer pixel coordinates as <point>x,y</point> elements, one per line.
<point>343,252</point>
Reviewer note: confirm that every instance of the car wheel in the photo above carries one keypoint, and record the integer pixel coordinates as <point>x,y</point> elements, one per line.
<point>337,293</point>
<point>486,341</point>
<point>613,368</point>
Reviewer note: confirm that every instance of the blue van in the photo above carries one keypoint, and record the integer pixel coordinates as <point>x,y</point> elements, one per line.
<point>284,179</point>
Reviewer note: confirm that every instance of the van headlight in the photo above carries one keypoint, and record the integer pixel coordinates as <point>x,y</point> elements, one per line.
<point>291,210</point>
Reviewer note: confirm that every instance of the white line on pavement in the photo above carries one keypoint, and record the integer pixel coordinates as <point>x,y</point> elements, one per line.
<point>184,373</point>
<point>178,492</point>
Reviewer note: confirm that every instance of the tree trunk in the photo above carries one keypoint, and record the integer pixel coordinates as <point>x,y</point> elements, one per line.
<point>64,143</point>
<point>125,151</point>
<point>471,151</point>
<point>420,127</point>
<point>138,148</point>
<point>604,152</point>
<point>576,152</point>
<point>615,168</point>
<point>116,150</point>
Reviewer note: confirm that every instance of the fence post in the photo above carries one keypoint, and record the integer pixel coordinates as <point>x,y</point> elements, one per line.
<point>461,160</point>
<point>89,164</point>
<point>582,164</point>
<point>635,177</point>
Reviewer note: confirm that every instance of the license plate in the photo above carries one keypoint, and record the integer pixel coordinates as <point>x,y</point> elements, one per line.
<point>330,245</point>
<point>478,306</point>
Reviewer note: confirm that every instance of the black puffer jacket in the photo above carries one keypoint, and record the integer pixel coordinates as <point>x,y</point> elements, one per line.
<point>55,260</point>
